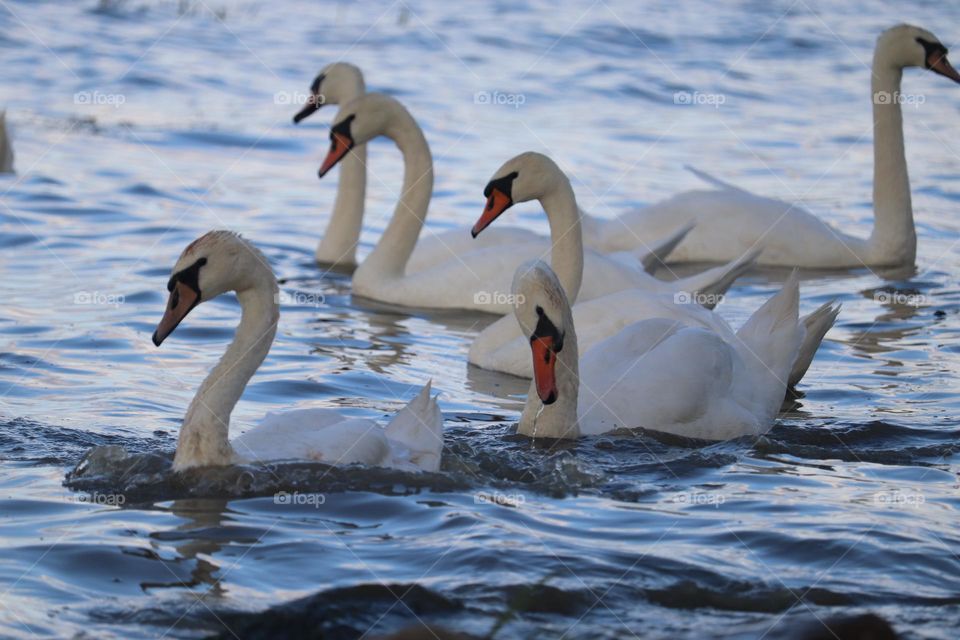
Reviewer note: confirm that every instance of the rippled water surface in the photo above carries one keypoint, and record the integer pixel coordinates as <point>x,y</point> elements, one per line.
<point>849,505</point>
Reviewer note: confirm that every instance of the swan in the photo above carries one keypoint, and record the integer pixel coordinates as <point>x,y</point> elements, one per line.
<point>657,373</point>
<point>6,147</point>
<point>339,83</point>
<point>730,220</point>
<point>222,261</point>
<point>502,347</point>
<point>479,279</point>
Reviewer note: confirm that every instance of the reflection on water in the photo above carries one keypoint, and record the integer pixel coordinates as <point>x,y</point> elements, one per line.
<point>847,506</point>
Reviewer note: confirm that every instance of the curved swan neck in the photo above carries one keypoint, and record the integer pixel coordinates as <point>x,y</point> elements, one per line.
<point>342,235</point>
<point>204,436</point>
<point>566,236</point>
<point>894,238</point>
<point>389,258</point>
<point>557,420</point>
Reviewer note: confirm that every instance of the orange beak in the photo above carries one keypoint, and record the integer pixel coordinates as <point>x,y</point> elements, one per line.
<point>497,203</point>
<point>340,145</point>
<point>939,64</point>
<point>544,369</point>
<point>182,300</point>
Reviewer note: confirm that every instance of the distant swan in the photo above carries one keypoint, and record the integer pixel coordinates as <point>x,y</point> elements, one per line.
<point>730,220</point>
<point>222,261</point>
<point>659,374</point>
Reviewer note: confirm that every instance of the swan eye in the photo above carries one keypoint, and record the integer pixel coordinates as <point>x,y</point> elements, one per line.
<point>175,298</point>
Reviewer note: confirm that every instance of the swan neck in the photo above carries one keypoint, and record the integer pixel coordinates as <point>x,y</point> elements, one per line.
<point>340,240</point>
<point>204,436</point>
<point>389,258</point>
<point>557,420</point>
<point>894,237</point>
<point>566,236</point>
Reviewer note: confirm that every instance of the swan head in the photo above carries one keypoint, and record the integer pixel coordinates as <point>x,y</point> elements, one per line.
<point>361,120</point>
<point>542,310</point>
<point>214,263</point>
<point>337,83</point>
<point>908,46</point>
<point>528,176</point>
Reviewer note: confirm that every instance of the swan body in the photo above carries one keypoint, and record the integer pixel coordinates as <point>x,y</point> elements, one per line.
<point>730,221</point>
<point>657,373</point>
<point>6,146</point>
<point>502,347</point>
<point>339,83</point>
<point>222,261</point>
<point>478,279</point>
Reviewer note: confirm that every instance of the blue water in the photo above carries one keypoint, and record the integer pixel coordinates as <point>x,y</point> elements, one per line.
<point>849,505</point>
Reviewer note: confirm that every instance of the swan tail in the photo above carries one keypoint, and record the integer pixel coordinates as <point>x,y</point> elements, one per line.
<point>656,256</point>
<point>815,327</point>
<point>709,287</point>
<point>6,147</point>
<point>712,180</point>
<point>419,428</point>
<point>772,337</point>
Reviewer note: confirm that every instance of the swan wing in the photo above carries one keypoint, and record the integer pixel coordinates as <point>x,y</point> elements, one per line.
<point>416,433</point>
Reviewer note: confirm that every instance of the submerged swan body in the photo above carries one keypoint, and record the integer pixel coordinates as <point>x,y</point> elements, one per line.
<point>222,261</point>
<point>730,220</point>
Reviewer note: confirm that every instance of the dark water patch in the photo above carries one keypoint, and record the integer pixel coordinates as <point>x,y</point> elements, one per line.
<point>237,140</point>
<point>24,440</point>
<point>345,613</point>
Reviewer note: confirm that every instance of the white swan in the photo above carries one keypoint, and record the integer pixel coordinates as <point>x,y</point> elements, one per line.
<point>658,374</point>
<point>478,279</point>
<point>222,261</point>
<point>502,347</point>
<point>730,221</point>
<point>6,146</point>
<point>341,82</point>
